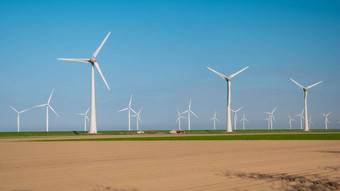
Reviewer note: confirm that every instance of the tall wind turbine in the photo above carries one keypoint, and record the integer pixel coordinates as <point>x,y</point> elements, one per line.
<point>244,120</point>
<point>305,89</point>
<point>179,117</point>
<point>93,62</point>
<point>301,118</point>
<point>189,111</point>
<point>138,117</point>
<point>129,110</point>
<point>228,79</point>
<point>215,119</point>
<point>47,105</point>
<point>271,117</point>
<point>19,112</point>
<point>85,117</point>
<point>310,122</point>
<point>326,119</point>
<point>235,116</point>
<point>290,122</point>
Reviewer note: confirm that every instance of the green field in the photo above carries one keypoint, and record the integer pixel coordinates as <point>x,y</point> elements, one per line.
<point>330,136</point>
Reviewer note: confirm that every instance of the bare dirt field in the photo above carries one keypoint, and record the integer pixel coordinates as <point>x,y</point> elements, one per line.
<point>169,165</point>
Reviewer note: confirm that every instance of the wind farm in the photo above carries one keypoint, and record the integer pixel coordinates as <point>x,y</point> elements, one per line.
<point>169,95</point>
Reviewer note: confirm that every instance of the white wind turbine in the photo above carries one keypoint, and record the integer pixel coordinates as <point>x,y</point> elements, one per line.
<point>85,117</point>
<point>310,122</point>
<point>47,105</point>
<point>271,117</point>
<point>93,62</point>
<point>179,117</point>
<point>138,118</point>
<point>129,110</point>
<point>305,89</point>
<point>19,112</point>
<point>268,120</point>
<point>244,120</point>
<point>301,118</point>
<point>290,122</point>
<point>189,111</point>
<point>215,119</point>
<point>228,79</point>
<point>235,116</point>
<point>326,119</point>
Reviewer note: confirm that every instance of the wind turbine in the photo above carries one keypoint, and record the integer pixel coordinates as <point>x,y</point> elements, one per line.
<point>228,79</point>
<point>301,118</point>
<point>138,117</point>
<point>189,111</point>
<point>93,62</point>
<point>310,122</point>
<point>244,120</point>
<point>271,117</point>
<point>129,109</point>
<point>47,105</point>
<point>268,119</point>
<point>85,117</point>
<point>19,112</point>
<point>179,117</point>
<point>290,122</point>
<point>235,116</point>
<point>305,89</point>
<point>326,118</point>
<point>215,119</point>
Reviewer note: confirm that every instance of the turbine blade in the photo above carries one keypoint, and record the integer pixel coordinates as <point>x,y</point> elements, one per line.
<point>122,110</point>
<point>233,75</point>
<point>49,99</point>
<point>14,109</point>
<point>133,111</point>
<point>185,111</point>
<point>314,84</point>
<point>190,104</point>
<point>53,110</point>
<point>178,113</point>
<point>296,83</point>
<point>130,100</point>
<point>25,110</point>
<point>223,76</point>
<point>87,110</point>
<point>274,110</point>
<point>218,120</point>
<point>101,74</point>
<point>42,105</point>
<point>87,118</point>
<point>194,114</point>
<point>101,45</point>
<point>239,109</point>
<point>79,114</point>
<point>75,59</point>
<point>140,120</point>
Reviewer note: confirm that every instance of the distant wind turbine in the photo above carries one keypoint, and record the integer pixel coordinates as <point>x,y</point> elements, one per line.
<point>268,120</point>
<point>310,122</point>
<point>47,105</point>
<point>129,109</point>
<point>189,111</point>
<point>301,118</point>
<point>326,119</point>
<point>235,116</point>
<point>271,117</point>
<point>179,117</point>
<point>215,119</point>
<point>138,117</point>
<point>93,62</point>
<point>244,120</point>
<point>305,89</point>
<point>85,117</point>
<point>19,112</point>
<point>228,79</point>
<point>290,122</point>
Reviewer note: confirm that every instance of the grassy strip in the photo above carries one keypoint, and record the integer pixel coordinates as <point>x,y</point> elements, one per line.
<point>227,137</point>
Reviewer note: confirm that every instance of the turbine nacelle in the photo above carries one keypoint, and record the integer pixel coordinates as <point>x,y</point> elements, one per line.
<point>93,59</point>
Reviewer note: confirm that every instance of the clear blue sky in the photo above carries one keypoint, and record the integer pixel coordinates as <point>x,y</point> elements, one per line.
<point>158,51</point>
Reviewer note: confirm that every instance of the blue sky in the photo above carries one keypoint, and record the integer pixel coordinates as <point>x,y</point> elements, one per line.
<point>158,51</point>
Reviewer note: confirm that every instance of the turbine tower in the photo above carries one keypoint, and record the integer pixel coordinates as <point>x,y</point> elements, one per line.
<point>228,79</point>
<point>305,89</point>
<point>215,119</point>
<point>244,120</point>
<point>301,118</point>
<point>271,117</point>
<point>326,119</point>
<point>290,122</point>
<point>85,117</point>
<point>189,111</point>
<point>129,110</point>
<point>235,116</point>
<point>93,62</point>
<point>19,112</point>
<point>138,118</point>
<point>47,105</point>
<point>179,117</point>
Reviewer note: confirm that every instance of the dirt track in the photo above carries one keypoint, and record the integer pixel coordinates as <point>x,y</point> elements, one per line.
<point>170,165</point>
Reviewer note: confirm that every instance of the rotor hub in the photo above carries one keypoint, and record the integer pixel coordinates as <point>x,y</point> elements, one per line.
<point>93,60</point>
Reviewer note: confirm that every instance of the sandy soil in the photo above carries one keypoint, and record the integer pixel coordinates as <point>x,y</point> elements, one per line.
<point>169,165</point>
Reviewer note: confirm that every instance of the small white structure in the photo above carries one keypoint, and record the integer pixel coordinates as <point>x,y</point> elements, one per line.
<point>177,131</point>
<point>129,110</point>
<point>19,112</point>
<point>140,132</point>
<point>189,111</point>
